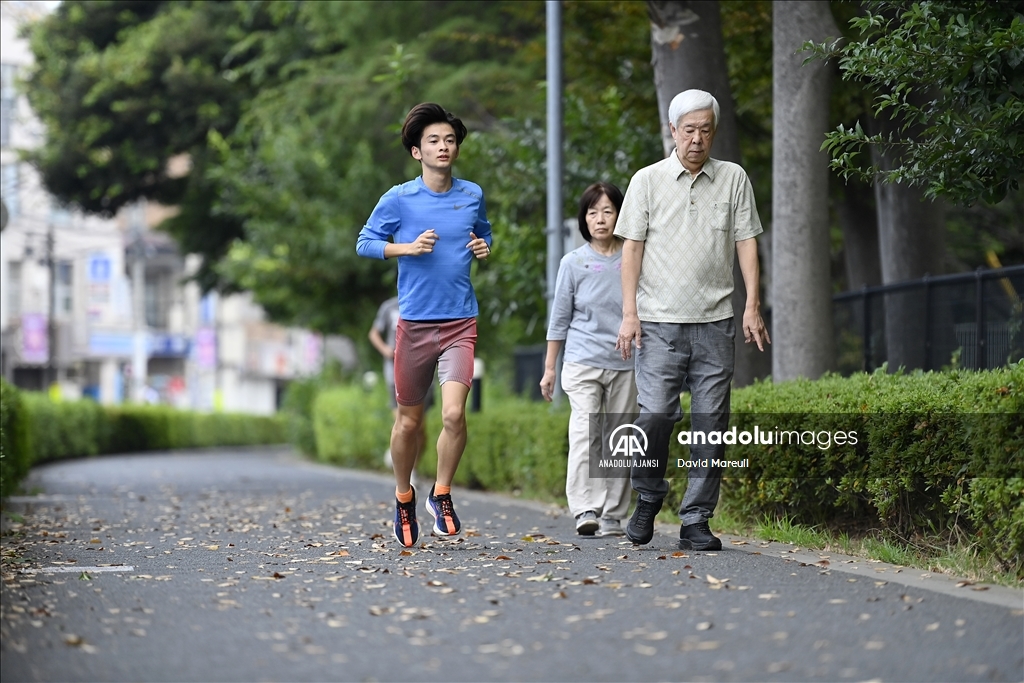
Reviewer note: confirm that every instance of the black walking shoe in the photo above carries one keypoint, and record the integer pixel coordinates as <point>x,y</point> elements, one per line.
<point>698,537</point>
<point>640,529</point>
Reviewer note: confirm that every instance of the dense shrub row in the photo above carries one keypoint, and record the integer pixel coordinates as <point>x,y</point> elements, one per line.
<point>513,445</point>
<point>935,451</point>
<point>37,430</point>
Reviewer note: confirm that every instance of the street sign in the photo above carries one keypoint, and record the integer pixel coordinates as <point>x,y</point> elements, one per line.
<point>99,268</point>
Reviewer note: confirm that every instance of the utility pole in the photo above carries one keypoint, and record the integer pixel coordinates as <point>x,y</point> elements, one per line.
<point>556,224</point>
<point>51,306</point>
<point>139,341</point>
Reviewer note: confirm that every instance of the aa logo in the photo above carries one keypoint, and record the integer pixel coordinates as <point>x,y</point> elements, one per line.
<point>628,441</point>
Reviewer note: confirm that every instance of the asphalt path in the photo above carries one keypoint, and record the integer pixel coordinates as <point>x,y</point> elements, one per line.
<point>252,565</point>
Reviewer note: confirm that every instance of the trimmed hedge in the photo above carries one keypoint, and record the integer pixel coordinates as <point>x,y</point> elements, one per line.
<point>513,444</point>
<point>15,456</point>
<point>36,430</point>
<point>936,451</point>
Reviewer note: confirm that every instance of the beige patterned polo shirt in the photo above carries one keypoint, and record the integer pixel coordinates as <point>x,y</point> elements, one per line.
<point>690,227</point>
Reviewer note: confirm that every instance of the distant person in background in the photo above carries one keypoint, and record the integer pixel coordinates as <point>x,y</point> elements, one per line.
<point>585,316</point>
<point>435,226</point>
<point>382,336</point>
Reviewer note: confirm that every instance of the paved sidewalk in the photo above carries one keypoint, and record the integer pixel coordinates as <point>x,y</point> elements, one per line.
<point>256,565</point>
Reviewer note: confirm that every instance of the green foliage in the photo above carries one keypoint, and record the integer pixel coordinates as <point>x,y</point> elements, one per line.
<point>297,412</point>
<point>147,428</point>
<point>305,166</point>
<point>122,87</point>
<point>931,446</point>
<point>606,142</point>
<point>15,455</point>
<point>513,445</point>
<point>996,506</point>
<point>352,426</point>
<point>36,429</point>
<point>951,74</point>
<point>65,429</point>
<point>518,446</point>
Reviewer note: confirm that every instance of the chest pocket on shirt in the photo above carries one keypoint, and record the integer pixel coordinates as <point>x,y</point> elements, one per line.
<point>721,216</point>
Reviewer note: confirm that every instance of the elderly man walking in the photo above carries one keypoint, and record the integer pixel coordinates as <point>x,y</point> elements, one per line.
<point>684,221</point>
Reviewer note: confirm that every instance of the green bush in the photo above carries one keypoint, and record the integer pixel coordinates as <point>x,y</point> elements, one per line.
<point>513,444</point>
<point>15,455</point>
<point>352,426</point>
<point>297,408</point>
<point>36,429</point>
<point>932,447</point>
<point>519,445</point>
<point>65,429</point>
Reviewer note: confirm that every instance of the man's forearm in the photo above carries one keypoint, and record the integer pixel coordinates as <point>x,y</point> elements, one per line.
<point>632,258</point>
<point>746,252</point>
<point>392,250</point>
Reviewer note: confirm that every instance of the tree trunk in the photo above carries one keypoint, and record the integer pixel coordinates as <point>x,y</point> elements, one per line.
<point>858,221</point>
<point>911,240</point>
<point>688,52</point>
<point>802,325</point>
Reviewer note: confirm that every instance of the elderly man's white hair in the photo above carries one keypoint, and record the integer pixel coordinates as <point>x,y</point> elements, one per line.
<point>692,100</point>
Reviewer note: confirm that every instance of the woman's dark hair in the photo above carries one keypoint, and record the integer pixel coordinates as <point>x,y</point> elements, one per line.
<point>592,195</point>
<point>426,114</point>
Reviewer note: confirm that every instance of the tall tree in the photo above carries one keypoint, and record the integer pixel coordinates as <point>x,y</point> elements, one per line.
<point>945,126</point>
<point>911,241</point>
<point>858,222</point>
<point>122,87</point>
<point>949,73</point>
<point>288,112</point>
<point>801,277</point>
<point>688,52</point>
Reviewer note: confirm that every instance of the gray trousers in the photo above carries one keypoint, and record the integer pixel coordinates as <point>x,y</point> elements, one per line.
<point>672,358</point>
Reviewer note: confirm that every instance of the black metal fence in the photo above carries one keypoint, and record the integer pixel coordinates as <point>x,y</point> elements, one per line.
<point>970,320</point>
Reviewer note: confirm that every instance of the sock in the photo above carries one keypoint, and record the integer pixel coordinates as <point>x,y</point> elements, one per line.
<point>404,497</point>
<point>441,490</point>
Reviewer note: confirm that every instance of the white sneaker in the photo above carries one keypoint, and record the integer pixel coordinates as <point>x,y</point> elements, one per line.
<point>586,523</point>
<point>610,527</point>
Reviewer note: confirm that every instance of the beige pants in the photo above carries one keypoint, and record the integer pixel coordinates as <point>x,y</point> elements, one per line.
<point>593,390</point>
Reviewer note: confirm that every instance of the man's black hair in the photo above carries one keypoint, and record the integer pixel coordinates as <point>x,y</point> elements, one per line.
<point>426,114</point>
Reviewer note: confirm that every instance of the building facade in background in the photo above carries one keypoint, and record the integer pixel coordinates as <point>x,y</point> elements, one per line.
<point>100,308</point>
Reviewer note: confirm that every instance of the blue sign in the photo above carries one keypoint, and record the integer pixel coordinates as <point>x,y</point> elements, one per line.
<point>99,268</point>
<point>168,346</point>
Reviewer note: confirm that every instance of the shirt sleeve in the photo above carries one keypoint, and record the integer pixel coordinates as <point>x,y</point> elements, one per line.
<point>746,222</point>
<point>634,219</point>
<point>562,303</point>
<point>380,322</point>
<point>482,228</point>
<point>380,226</point>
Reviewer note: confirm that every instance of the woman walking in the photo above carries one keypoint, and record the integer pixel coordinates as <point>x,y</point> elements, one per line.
<point>585,317</point>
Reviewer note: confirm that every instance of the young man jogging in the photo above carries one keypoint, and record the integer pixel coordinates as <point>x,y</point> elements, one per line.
<point>435,226</point>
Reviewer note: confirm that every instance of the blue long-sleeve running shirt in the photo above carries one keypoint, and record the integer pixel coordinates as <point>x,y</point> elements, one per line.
<point>432,286</point>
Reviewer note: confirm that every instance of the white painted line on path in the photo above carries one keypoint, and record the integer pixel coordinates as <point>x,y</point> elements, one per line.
<point>72,570</point>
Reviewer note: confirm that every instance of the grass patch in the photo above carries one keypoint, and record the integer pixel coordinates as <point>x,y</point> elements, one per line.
<point>784,530</point>
<point>892,552</point>
<point>954,556</point>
